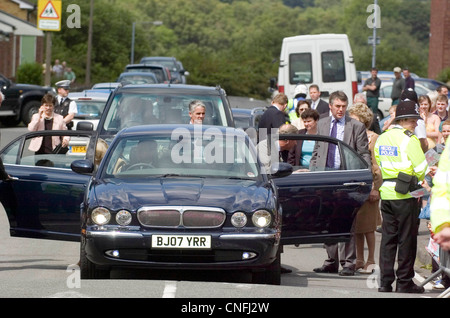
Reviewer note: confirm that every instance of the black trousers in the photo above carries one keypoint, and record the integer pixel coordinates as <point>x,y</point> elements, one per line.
<point>399,236</point>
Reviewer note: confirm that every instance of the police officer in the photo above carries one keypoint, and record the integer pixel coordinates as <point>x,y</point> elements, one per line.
<point>65,106</point>
<point>440,201</point>
<point>300,92</point>
<point>403,164</point>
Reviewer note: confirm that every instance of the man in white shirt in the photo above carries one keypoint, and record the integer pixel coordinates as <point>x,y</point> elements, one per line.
<point>65,106</point>
<point>317,103</point>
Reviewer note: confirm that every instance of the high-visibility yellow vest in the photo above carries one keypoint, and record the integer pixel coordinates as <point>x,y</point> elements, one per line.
<point>290,109</point>
<point>440,193</point>
<point>398,150</point>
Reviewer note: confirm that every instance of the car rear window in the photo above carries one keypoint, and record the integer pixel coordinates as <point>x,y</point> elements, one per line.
<point>333,66</point>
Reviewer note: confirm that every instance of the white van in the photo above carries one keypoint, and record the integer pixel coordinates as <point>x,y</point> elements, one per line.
<point>322,59</point>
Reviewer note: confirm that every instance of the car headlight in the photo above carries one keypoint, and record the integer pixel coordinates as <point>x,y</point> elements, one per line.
<point>123,217</point>
<point>261,218</point>
<point>100,216</point>
<point>239,219</point>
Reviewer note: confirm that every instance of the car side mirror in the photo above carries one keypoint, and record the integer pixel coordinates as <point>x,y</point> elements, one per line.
<point>82,166</point>
<point>281,170</point>
<point>85,125</point>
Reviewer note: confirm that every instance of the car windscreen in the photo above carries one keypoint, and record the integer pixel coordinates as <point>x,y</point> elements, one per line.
<point>90,109</point>
<point>134,109</point>
<point>182,155</point>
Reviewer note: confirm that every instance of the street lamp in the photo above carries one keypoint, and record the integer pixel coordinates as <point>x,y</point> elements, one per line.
<point>133,33</point>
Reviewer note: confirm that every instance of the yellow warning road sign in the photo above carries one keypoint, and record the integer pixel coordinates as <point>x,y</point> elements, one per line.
<point>49,15</point>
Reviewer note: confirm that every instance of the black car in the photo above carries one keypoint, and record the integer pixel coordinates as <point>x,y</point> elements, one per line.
<point>21,101</point>
<point>137,78</point>
<point>175,67</point>
<point>245,118</point>
<point>133,105</point>
<point>211,194</point>
<point>162,72</point>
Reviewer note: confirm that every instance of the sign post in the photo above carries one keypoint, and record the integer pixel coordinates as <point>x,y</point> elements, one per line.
<point>49,19</point>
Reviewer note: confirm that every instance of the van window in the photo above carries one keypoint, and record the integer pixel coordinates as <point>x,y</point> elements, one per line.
<point>300,68</point>
<point>333,67</point>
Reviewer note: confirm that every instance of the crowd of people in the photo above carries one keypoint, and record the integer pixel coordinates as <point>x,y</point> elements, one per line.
<point>395,149</point>
<point>61,71</point>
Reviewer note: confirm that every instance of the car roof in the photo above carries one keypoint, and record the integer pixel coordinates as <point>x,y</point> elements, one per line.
<point>149,74</point>
<point>144,65</point>
<point>97,95</point>
<point>165,129</point>
<point>182,88</point>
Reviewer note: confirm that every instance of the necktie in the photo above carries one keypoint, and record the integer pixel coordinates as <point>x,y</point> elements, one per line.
<point>313,105</point>
<point>331,146</point>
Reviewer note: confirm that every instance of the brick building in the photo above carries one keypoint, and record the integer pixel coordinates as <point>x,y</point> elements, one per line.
<point>439,47</point>
<point>20,40</point>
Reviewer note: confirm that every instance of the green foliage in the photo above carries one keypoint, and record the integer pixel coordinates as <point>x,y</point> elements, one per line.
<point>30,73</point>
<point>234,43</point>
<point>444,75</point>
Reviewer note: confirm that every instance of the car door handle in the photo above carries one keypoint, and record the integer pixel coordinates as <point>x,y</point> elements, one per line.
<point>355,184</point>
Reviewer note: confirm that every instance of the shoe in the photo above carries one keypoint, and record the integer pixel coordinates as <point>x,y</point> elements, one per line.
<point>347,272</point>
<point>438,284</point>
<point>385,289</point>
<point>325,269</point>
<point>411,289</point>
<point>285,270</point>
<point>368,268</point>
<point>359,264</point>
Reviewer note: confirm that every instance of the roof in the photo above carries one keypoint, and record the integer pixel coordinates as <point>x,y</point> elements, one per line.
<point>11,24</point>
<point>167,129</point>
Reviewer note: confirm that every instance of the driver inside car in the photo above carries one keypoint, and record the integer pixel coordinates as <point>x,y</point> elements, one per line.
<point>143,155</point>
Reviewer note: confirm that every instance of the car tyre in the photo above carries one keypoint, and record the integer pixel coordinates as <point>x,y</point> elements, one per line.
<point>30,108</point>
<point>89,270</point>
<point>271,275</point>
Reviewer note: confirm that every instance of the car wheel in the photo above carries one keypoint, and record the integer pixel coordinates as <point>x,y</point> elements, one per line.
<point>29,110</point>
<point>271,275</point>
<point>89,270</point>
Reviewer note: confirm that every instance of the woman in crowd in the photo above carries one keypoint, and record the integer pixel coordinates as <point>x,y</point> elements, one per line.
<point>301,154</point>
<point>46,119</point>
<point>368,216</point>
<point>432,121</point>
<point>302,105</point>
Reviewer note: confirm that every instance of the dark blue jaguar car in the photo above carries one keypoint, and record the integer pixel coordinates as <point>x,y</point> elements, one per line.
<point>179,197</point>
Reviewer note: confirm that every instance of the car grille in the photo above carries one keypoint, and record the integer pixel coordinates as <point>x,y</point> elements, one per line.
<point>187,217</point>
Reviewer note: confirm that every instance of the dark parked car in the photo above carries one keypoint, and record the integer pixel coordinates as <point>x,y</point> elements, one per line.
<point>162,73</point>
<point>133,105</point>
<point>201,205</point>
<point>21,101</point>
<point>431,84</point>
<point>137,78</point>
<point>245,118</point>
<point>177,71</point>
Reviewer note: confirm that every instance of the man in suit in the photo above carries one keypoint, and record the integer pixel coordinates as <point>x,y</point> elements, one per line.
<point>274,116</point>
<point>353,133</point>
<point>278,149</point>
<point>316,102</point>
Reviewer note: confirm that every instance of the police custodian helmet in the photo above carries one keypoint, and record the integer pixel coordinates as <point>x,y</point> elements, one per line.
<point>407,109</point>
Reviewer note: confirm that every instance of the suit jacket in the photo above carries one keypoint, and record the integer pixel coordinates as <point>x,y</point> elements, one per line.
<point>271,118</point>
<point>37,124</point>
<point>354,135</point>
<point>322,107</point>
<point>295,154</point>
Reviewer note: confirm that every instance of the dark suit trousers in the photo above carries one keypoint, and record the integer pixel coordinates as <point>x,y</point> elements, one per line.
<point>399,234</point>
<point>343,253</point>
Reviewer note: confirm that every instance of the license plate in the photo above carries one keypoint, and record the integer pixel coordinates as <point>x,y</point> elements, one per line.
<point>181,241</point>
<point>78,149</point>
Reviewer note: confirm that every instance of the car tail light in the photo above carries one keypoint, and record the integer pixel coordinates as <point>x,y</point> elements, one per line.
<point>354,88</point>
<point>281,89</point>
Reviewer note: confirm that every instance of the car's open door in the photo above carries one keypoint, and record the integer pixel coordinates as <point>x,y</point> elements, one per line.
<point>319,205</point>
<point>43,199</point>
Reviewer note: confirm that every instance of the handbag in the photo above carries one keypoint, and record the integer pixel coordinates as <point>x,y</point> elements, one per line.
<point>425,212</point>
<point>60,150</point>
